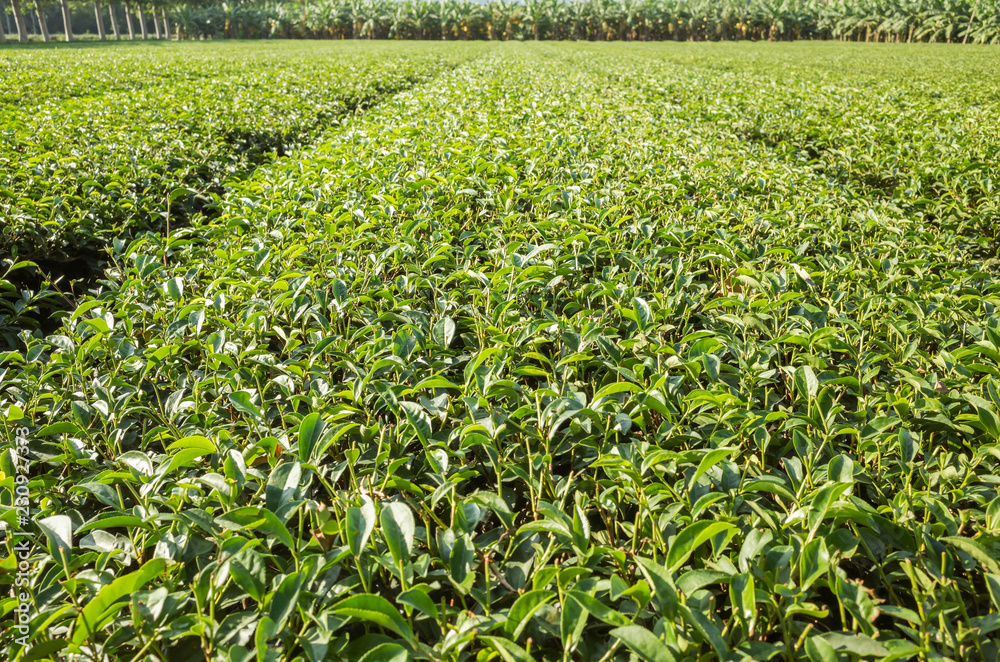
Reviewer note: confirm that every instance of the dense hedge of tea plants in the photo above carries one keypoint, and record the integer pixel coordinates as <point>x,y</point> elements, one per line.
<point>572,352</point>
<point>102,144</point>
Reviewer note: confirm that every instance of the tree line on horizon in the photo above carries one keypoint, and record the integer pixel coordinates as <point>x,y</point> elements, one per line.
<point>950,21</point>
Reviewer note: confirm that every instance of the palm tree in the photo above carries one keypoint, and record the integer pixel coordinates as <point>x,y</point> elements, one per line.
<point>465,15</point>
<point>67,21</point>
<point>100,24</point>
<point>189,23</point>
<point>535,13</point>
<point>22,30</point>
<point>156,21</point>
<point>986,30</point>
<point>423,18</point>
<point>450,19</point>
<point>726,19</point>
<point>971,21</point>
<point>604,13</point>
<point>42,23</point>
<point>373,14</point>
<point>555,13</point>
<point>114,22</point>
<point>142,23</point>
<point>576,15</point>
<point>632,18</point>
<point>654,11</point>
<point>128,20</point>
<point>356,12</point>
<point>505,13</point>
<point>399,20</point>
<point>489,16</point>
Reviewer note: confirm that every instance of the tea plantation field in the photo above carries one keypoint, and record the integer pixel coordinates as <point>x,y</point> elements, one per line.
<point>468,352</point>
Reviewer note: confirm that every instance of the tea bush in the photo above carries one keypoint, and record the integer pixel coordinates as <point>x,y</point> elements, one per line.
<point>658,352</point>
<point>107,143</point>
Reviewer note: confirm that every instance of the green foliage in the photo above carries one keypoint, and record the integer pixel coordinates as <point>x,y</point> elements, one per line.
<point>98,146</point>
<point>966,21</point>
<point>657,352</point>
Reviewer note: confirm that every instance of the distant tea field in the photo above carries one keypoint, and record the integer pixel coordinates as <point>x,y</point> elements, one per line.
<point>472,352</point>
